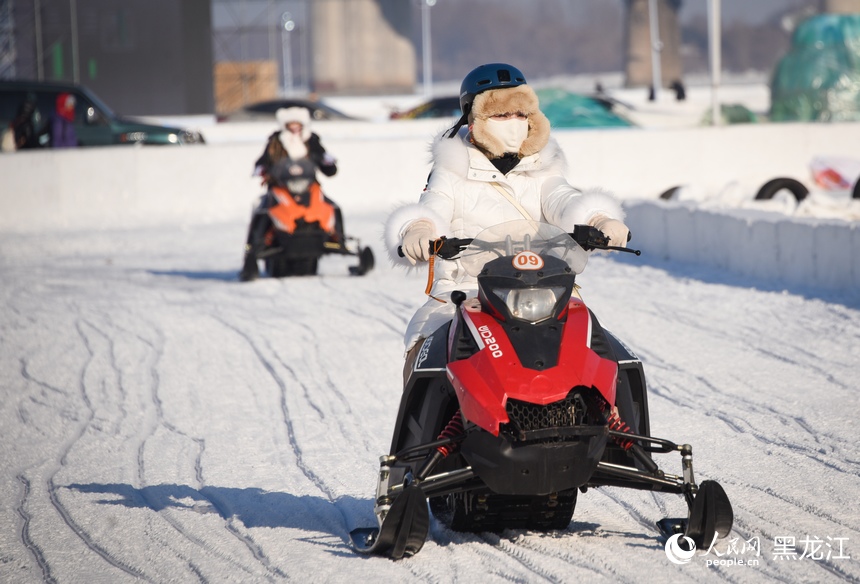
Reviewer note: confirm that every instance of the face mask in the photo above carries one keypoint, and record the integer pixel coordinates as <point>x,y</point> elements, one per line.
<point>511,133</point>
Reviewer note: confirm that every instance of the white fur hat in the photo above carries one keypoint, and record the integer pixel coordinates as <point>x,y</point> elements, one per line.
<point>286,115</point>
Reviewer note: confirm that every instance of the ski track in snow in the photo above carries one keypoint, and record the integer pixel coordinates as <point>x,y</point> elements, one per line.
<point>248,542</point>
<point>25,531</point>
<point>124,381</point>
<point>64,451</point>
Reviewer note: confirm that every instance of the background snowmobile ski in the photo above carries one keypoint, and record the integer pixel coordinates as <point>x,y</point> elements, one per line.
<point>299,254</point>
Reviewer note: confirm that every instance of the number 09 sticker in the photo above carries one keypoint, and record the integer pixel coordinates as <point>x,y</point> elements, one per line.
<point>528,260</point>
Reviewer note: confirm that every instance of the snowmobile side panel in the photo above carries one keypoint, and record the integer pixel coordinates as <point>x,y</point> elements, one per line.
<point>428,402</point>
<point>433,355</point>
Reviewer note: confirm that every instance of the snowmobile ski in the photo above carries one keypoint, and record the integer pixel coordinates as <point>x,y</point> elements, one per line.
<point>711,516</point>
<point>365,262</point>
<point>403,529</point>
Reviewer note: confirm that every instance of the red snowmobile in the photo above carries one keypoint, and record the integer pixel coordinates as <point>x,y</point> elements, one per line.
<point>522,401</point>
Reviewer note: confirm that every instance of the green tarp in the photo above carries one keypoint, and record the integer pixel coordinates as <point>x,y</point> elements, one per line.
<point>819,78</point>
<point>571,110</point>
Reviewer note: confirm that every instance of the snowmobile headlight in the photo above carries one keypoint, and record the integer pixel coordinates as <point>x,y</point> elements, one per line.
<point>530,304</point>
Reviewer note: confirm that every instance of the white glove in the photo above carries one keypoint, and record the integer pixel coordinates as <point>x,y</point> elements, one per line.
<point>416,241</point>
<point>614,229</point>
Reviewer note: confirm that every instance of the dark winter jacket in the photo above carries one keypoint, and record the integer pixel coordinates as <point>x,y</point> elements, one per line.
<point>24,126</point>
<point>275,152</point>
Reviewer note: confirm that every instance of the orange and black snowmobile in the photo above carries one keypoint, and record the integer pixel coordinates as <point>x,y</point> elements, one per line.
<point>304,226</point>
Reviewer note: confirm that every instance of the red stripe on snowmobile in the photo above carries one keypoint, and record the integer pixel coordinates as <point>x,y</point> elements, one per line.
<point>486,380</point>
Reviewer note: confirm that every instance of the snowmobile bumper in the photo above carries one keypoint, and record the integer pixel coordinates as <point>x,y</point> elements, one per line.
<point>540,468</point>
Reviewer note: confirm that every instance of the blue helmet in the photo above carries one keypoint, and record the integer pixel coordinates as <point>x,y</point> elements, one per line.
<point>481,79</point>
<point>485,77</point>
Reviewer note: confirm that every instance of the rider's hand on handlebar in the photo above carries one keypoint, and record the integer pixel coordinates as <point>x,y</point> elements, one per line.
<point>615,230</point>
<point>416,241</point>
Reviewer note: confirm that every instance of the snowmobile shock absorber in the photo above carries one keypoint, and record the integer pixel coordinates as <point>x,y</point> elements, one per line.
<point>617,427</point>
<point>452,432</point>
<point>616,424</point>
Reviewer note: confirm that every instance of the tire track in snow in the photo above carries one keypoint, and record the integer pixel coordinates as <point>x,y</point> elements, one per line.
<point>632,511</point>
<point>53,490</point>
<point>24,533</point>
<point>668,313</point>
<point>381,308</point>
<point>808,452</point>
<point>319,350</point>
<point>594,565</point>
<point>160,421</point>
<point>316,480</point>
<point>769,527</point>
<point>746,407</point>
<point>316,349</point>
<point>522,557</point>
<point>344,430</point>
<point>498,555</point>
<point>66,448</point>
<point>735,336</point>
<point>493,559</point>
<point>45,387</point>
<point>802,505</point>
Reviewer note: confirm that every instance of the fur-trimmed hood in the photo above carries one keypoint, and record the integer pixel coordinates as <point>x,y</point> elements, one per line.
<point>509,100</point>
<point>297,114</point>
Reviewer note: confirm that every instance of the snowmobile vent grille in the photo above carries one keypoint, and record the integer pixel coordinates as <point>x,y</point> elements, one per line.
<point>527,417</point>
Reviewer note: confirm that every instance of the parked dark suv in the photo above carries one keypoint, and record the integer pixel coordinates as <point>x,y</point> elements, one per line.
<point>95,123</point>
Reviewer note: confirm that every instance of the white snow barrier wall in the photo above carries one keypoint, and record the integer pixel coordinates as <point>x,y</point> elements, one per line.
<point>798,252</point>
<point>381,165</point>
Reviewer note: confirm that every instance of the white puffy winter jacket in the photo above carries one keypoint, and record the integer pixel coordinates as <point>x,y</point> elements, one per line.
<point>461,201</point>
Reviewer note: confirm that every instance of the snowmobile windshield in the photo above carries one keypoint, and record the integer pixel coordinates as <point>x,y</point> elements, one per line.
<point>295,175</point>
<point>513,237</point>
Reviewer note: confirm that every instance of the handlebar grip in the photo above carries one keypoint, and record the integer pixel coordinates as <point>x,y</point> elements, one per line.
<point>444,247</point>
<point>429,249</point>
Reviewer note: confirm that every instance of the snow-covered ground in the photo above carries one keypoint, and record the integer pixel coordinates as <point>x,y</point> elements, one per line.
<point>162,422</point>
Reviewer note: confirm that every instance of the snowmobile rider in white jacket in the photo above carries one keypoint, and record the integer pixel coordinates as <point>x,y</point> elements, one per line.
<point>497,164</point>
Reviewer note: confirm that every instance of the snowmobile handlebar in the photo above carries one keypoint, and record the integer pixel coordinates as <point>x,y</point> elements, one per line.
<point>586,236</point>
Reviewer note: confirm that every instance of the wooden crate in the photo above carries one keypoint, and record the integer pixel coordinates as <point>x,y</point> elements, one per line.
<point>238,83</point>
